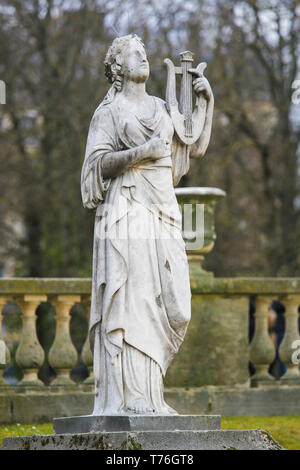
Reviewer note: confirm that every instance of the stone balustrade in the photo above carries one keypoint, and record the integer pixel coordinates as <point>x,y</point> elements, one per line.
<point>216,350</point>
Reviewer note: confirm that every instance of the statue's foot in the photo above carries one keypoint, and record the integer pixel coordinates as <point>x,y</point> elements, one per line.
<point>171,410</point>
<point>140,406</point>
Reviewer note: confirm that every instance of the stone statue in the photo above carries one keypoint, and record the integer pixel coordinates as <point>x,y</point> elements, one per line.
<point>141,295</point>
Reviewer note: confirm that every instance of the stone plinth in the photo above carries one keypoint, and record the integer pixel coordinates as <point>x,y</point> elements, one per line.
<point>147,440</point>
<point>113,423</point>
<point>133,432</point>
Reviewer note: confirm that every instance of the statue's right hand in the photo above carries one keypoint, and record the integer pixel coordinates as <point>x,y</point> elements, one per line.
<point>156,148</point>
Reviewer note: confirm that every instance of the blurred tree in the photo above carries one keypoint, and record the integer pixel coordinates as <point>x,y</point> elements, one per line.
<point>254,66</point>
<point>51,59</point>
<point>51,63</point>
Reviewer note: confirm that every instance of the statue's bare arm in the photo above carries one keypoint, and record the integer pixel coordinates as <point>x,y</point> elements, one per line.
<point>116,163</point>
<point>199,148</point>
<point>202,86</point>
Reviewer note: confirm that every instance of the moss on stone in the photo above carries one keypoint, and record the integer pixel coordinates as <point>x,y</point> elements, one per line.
<point>133,444</point>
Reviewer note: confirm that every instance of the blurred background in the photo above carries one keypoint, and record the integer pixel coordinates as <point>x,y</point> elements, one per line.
<point>51,59</point>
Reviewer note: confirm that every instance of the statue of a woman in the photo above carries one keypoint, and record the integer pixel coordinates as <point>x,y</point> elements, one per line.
<point>141,296</point>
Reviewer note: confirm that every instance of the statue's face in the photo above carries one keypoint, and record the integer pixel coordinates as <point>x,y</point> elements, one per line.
<point>135,65</point>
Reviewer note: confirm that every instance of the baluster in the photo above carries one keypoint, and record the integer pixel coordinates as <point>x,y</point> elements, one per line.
<point>262,351</point>
<point>30,354</point>
<point>292,375</point>
<point>63,354</point>
<point>86,353</point>
<point>3,364</point>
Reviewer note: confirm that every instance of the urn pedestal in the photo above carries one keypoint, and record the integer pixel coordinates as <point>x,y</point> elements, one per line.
<point>198,224</point>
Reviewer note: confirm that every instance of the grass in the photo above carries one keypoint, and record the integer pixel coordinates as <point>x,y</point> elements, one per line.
<point>284,429</point>
<point>24,430</point>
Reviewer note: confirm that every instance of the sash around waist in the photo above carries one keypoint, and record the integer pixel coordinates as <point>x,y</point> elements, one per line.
<point>151,187</point>
<point>152,164</point>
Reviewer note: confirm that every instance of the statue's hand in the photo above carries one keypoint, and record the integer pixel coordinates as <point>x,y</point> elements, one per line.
<point>201,85</point>
<point>156,148</point>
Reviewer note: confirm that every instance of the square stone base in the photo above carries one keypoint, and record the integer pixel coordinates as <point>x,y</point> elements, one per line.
<point>147,440</point>
<point>114,423</point>
<point>142,432</point>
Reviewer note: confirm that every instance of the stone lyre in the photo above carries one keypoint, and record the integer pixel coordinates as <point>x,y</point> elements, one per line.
<point>188,124</point>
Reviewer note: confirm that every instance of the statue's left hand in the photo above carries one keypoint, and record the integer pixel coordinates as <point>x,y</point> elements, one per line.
<point>201,85</point>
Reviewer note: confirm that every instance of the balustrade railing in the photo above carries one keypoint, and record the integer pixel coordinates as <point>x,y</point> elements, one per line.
<point>5,359</point>
<point>64,294</point>
<point>262,351</point>
<point>29,356</point>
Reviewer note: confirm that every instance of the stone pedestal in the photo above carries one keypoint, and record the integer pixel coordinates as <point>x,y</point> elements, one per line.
<point>134,432</point>
<point>198,206</point>
<point>113,423</point>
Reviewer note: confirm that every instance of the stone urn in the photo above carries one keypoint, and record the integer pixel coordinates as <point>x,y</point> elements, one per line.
<point>198,223</point>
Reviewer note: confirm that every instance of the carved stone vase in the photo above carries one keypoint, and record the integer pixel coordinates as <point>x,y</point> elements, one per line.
<point>198,223</point>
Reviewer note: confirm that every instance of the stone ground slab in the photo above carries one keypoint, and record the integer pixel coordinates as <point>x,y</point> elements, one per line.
<point>147,440</point>
<point>108,423</point>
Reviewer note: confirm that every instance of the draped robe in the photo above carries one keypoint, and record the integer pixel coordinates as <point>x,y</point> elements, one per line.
<point>140,306</point>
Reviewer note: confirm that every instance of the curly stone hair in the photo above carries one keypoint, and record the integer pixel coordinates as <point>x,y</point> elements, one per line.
<point>113,67</point>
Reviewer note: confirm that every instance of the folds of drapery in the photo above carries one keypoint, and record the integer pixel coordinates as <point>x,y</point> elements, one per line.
<point>111,258</point>
<point>102,139</point>
<point>99,142</point>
